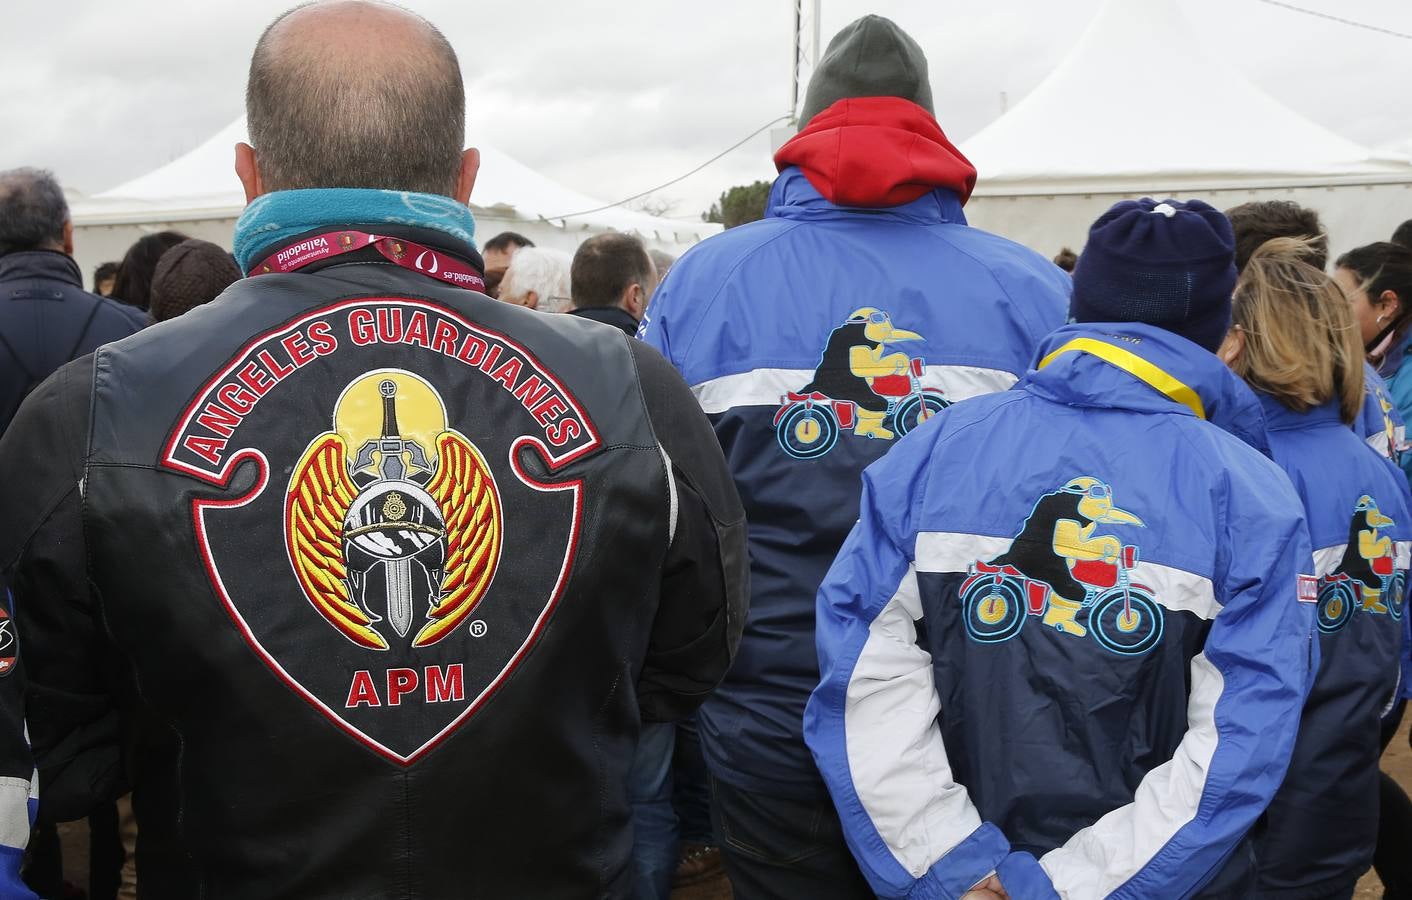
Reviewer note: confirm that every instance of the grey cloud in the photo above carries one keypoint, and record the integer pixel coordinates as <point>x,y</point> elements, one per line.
<point>615,98</point>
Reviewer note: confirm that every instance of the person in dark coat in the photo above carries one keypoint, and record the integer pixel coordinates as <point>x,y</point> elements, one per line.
<point>611,280</point>
<point>47,318</point>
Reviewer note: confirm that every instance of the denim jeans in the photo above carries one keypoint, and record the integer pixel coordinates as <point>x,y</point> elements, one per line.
<point>654,822</point>
<point>691,786</point>
<point>775,848</point>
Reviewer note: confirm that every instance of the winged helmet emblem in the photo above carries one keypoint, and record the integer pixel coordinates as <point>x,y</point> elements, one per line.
<point>395,526</point>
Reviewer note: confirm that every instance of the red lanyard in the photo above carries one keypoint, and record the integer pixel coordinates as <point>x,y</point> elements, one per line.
<point>406,254</point>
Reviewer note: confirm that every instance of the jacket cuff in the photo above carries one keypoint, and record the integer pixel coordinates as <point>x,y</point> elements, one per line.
<point>1024,879</point>
<point>966,865</point>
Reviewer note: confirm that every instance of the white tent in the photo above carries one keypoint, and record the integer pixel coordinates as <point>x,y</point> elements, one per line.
<point>198,194</point>
<point>1137,108</point>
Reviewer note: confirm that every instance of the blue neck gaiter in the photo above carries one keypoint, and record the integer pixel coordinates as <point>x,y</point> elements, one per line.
<point>272,219</point>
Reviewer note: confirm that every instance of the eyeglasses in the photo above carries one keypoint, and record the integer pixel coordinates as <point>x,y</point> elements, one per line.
<point>1098,491</point>
<point>876,318</point>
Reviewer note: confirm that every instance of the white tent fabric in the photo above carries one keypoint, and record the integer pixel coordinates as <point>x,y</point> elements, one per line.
<point>1139,95</point>
<point>1138,107</point>
<point>198,193</point>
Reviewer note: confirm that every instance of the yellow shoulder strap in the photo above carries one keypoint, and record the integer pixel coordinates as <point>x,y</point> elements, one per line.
<point>1144,371</point>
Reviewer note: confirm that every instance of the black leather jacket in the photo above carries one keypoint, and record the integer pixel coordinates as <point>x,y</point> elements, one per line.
<point>365,583</point>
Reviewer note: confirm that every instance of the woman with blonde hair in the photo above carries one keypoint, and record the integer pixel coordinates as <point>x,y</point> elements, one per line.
<point>1293,339</point>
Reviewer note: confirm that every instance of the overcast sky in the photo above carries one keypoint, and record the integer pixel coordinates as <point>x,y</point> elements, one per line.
<point>615,97</point>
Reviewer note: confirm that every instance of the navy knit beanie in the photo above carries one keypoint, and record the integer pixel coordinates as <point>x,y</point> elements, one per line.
<point>1169,264</point>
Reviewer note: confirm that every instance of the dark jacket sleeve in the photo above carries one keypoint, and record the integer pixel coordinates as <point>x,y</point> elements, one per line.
<point>69,706</point>
<point>17,777</point>
<point>705,579</point>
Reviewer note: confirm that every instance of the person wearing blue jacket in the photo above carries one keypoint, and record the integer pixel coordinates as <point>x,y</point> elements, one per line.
<point>1254,223</point>
<point>1066,645</point>
<point>858,308</point>
<point>1294,341</point>
<point>1377,279</point>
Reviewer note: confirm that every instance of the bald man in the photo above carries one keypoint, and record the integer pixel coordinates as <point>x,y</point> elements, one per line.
<point>365,582</point>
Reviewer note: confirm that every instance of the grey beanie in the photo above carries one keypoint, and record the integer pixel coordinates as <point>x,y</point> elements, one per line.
<point>870,57</point>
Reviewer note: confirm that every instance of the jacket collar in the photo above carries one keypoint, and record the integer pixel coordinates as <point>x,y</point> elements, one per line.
<point>1279,417</point>
<point>51,264</point>
<point>609,315</point>
<point>794,197</point>
<point>1391,362</point>
<point>278,218</point>
<point>1145,369</point>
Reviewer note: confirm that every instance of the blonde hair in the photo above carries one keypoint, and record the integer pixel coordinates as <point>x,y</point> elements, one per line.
<point>1301,345</point>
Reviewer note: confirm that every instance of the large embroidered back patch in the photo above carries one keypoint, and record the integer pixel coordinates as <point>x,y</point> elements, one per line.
<point>391,540</point>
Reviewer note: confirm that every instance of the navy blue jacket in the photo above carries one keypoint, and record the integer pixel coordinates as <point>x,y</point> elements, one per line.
<point>813,338</point>
<point>48,319</point>
<point>1323,824</point>
<point>1068,626</point>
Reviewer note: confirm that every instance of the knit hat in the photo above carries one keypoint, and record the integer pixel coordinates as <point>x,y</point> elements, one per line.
<point>870,57</point>
<point>1169,264</point>
<point>190,274</point>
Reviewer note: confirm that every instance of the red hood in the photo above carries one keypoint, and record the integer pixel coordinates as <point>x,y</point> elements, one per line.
<point>877,152</point>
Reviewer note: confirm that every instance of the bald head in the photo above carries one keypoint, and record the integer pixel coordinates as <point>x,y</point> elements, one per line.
<point>351,93</point>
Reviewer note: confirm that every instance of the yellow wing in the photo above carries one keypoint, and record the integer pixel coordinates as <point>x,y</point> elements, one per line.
<point>465,491</point>
<point>319,496</point>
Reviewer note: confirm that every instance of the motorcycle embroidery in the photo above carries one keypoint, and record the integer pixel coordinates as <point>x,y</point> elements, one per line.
<point>858,385</point>
<point>409,525</point>
<point>1365,578</point>
<point>1057,568</point>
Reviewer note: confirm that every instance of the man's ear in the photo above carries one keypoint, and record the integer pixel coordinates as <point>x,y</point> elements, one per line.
<point>532,299</point>
<point>247,171</point>
<point>466,181</point>
<point>69,238</point>
<point>635,301</point>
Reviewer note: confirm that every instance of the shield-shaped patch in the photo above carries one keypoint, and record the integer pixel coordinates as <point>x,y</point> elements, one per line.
<point>399,459</point>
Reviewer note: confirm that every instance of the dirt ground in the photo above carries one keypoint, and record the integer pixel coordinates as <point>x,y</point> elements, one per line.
<point>1397,762</point>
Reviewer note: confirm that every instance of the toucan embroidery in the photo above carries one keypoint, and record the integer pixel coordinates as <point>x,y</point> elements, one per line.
<point>859,384</point>
<point>1365,578</point>
<point>1057,567</point>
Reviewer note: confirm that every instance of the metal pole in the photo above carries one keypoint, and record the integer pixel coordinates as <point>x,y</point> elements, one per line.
<point>818,47</point>
<point>794,64</point>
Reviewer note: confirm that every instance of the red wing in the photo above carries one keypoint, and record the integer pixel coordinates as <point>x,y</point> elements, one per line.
<point>320,493</point>
<point>465,491</point>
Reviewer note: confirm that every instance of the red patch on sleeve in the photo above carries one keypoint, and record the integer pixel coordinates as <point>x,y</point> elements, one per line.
<point>1308,589</point>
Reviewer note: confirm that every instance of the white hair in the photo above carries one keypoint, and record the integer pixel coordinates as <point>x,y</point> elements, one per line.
<point>542,270</point>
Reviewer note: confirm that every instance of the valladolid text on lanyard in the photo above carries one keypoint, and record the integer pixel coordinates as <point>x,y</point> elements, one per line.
<point>406,254</point>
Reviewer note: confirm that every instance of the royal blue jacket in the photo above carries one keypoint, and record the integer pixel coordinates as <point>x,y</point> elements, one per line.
<point>1397,376</point>
<point>798,304</point>
<point>1381,423</point>
<point>1067,627</point>
<point>1323,824</point>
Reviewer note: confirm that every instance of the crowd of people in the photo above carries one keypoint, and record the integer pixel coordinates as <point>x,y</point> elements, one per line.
<point>362,562</point>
